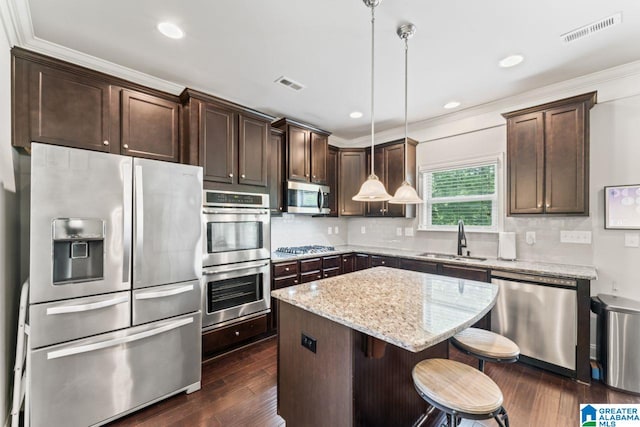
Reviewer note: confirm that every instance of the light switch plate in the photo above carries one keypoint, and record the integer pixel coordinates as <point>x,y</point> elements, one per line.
<point>408,231</point>
<point>336,230</point>
<point>398,231</point>
<point>531,237</point>
<point>329,230</point>
<point>575,236</point>
<point>363,230</point>
<point>631,240</point>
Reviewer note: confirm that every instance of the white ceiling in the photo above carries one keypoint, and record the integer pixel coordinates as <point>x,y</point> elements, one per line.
<point>237,48</point>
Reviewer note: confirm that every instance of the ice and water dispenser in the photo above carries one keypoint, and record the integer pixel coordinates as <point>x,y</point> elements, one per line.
<point>78,250</point>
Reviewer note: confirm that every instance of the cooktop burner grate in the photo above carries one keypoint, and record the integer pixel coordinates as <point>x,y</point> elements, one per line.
<point>309,249</point>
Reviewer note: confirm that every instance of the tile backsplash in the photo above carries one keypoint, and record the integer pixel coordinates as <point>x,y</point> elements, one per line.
<point>299,230</point>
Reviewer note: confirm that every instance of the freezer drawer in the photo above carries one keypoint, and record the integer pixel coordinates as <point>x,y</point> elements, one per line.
<point>136,366</point>
<point>61,321</point>
<point>161,302</point>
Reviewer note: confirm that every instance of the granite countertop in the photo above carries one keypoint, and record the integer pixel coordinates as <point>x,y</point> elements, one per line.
<point>405,308</point>
<point>532,267</point>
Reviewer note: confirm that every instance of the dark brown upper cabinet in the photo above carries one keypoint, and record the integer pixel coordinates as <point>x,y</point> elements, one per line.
<point>389,167</point>
<point>332,179</point>
<point>275,173</point>
<point>548,157</point>
<point>59,103</point>
<point>229,141</point>
<point>305,151</point>
<point>352,171</point>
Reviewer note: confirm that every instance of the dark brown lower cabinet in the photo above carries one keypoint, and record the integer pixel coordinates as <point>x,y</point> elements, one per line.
<point>219,340</point>
<point>418,265</point>
<point>384,261</point>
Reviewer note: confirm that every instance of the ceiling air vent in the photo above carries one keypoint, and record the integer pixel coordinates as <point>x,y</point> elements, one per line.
<point>290,83</point>
<point>592,28</point>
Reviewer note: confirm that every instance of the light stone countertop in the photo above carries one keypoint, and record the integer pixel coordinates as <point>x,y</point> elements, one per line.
<point>531,267</point>
<point>405,308</point>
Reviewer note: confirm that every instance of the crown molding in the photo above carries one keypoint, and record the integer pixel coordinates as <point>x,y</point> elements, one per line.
<point>16,18</point>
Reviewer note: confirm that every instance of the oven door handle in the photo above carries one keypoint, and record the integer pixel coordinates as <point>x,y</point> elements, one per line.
<point>162,294</point>
<point>86,307</point>
<point>117,341</point>
<point>226,270</point>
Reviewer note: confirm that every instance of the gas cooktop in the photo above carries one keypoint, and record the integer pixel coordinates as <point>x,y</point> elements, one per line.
<point>301,250</point>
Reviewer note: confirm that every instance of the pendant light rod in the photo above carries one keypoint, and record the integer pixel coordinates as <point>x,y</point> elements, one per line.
<point>372,4</point>
<point>405,32</point>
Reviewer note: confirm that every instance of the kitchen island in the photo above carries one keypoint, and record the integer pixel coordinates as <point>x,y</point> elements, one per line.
<point>347,344</point>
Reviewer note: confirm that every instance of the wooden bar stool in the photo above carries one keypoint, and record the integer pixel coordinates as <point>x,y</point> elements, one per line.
<point>458,390</point>
<point>486,346</point>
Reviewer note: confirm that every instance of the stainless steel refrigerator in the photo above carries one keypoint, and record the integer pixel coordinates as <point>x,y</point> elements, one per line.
<point>114,297</point>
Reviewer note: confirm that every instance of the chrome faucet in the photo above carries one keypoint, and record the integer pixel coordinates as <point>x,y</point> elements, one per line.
<point>462,238</point>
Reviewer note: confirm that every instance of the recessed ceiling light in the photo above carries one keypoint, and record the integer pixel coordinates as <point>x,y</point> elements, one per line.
<point>452,104</point>
<point>170,30</point>
<point>355,115</point>
<point>510,61</point>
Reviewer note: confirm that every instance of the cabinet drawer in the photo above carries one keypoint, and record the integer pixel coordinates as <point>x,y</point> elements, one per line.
<point>284,282</point>
<point>384,261</point>
<point>331,272</point>
<point>310,277</point>
<point>331,261</point>
<point>285,269</point>
<point>479,274</point>
<point>313,264</point>
<point>219,339</point>
<point>417,265</point>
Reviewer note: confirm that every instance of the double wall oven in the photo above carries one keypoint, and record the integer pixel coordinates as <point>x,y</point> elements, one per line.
<point>236,257</point>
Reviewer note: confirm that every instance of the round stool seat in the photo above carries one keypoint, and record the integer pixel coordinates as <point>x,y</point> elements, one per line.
<point>487,344</point>
<point>460,388</point>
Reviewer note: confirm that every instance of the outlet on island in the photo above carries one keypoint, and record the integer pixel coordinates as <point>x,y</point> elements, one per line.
<point>309,343</point>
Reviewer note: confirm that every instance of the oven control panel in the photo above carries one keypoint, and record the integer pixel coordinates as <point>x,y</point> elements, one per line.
<point>234,199</point>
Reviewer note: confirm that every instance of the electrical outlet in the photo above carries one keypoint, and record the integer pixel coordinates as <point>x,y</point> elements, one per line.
<point>308,343</point>
<point>336,230</point>
<point>363,230</point>
<point>398,231</point>
<point>575,236</point>
<point>408,231</point>
<point>631,240</point>
<point>329,230</point>
<point>531,237</point>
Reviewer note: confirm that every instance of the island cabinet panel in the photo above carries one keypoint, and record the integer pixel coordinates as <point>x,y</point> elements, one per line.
<point>314,386</point>
<point>548,157</point>
<point>149,126</point>
<point>418,265</point>
<point>385,261</point>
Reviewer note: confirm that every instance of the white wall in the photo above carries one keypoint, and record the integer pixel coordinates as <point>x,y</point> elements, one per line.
<point>301,230</point>
<point>8,232</point>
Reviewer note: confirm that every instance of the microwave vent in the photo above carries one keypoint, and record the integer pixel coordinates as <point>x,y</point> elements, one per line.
<point>592,28</point>
<point>290,83</point>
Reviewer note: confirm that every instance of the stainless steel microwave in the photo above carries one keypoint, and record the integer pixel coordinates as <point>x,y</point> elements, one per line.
<point>306,198</point>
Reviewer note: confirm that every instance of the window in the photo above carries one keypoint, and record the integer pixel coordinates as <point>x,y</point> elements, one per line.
<point>467,191</point>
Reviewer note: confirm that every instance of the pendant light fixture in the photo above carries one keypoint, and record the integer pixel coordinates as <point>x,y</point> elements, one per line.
<point>406,194</point>
<point>372,190</point>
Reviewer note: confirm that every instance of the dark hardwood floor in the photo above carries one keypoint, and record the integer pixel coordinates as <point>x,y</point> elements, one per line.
<point>239,389</point>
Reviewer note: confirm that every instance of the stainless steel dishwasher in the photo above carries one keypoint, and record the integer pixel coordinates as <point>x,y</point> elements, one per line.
<point>538,313</point>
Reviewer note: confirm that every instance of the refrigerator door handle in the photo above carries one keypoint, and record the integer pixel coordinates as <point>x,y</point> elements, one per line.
<point>86,307</point>
<point>167,293</point>
<point>126,225</point>
<point>139,221</point>
<point>117,341</point>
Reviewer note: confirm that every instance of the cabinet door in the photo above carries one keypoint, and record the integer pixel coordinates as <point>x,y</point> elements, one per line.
<point>149,126</point>
<point>352,175</point>
<point>252,151</point>
<point>319,147</point>
<point>525,163</point>
<point>377,208</point>
<point>298,154</point>
<point>217,143</point>
<point>566,161</point>
<point>66,109</point>
<point>362,261</point>
<point>348,263</point>
<point>384,261</point>
<point>394,177</point>
<point>332,179</point>
<point>275,176</point>
<point>461,272</point>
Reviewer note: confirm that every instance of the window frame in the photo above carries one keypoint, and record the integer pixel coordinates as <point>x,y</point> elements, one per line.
<point>424,211</point>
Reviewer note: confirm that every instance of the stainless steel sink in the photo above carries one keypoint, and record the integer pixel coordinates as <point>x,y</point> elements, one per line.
<point>437,255</point>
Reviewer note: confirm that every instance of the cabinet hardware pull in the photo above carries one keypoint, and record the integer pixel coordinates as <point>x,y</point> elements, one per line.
<point>539,205</point>
<point>237,333</point>
<point>548,205</point>
<point>230,175</point>
<point>295,281</point>
<point>105,142</point>
<point>280,208</point>
<point>286,269</point>
<point>242,176</point>
<point>125,146</point>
